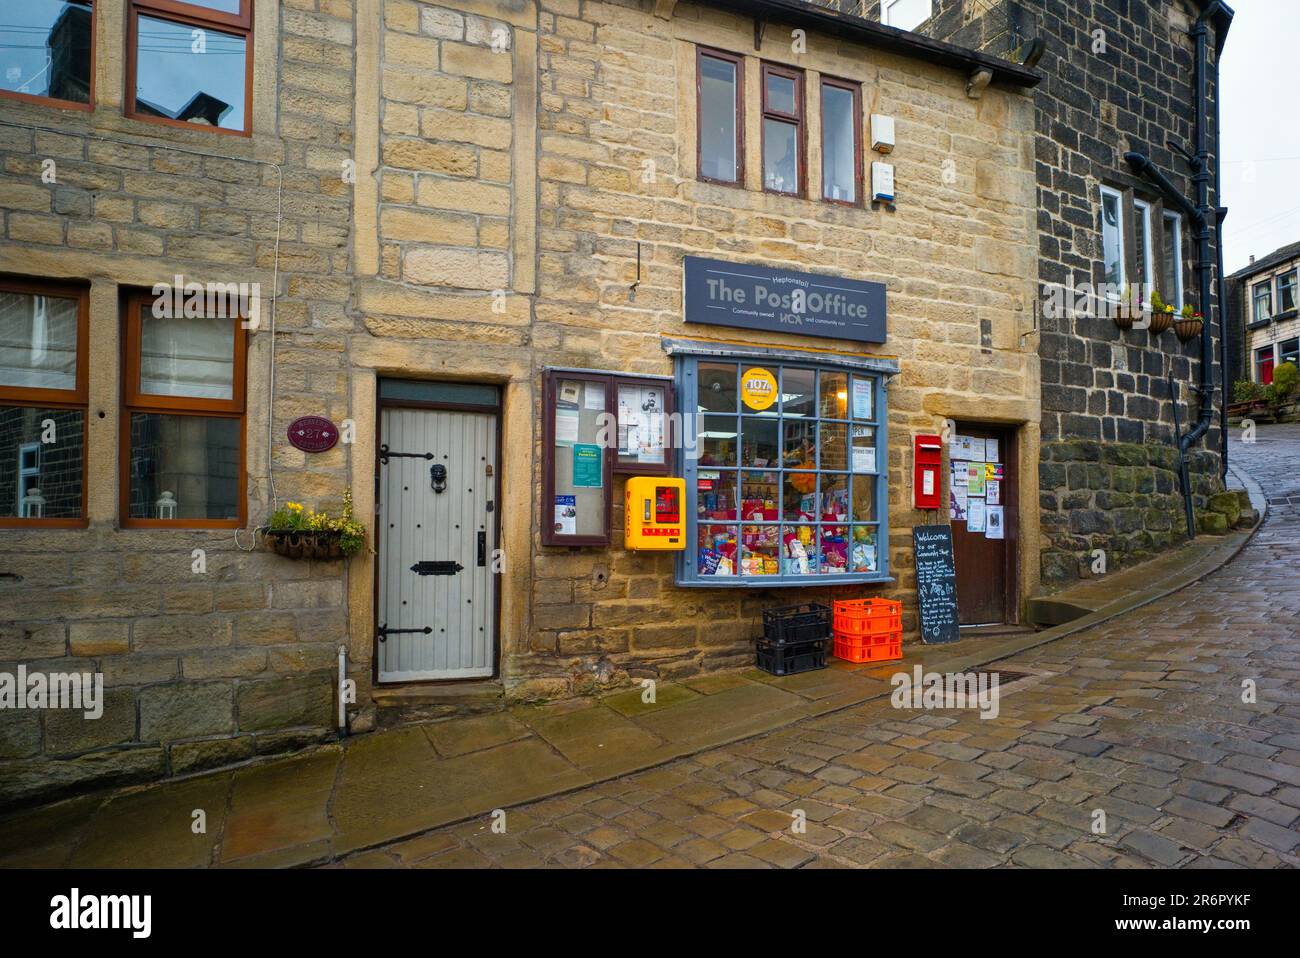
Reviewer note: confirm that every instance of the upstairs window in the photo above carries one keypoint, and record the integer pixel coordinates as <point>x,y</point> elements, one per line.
<point>42,403</point>
<point>1286,292</point>
<point>1263,301</point>
<point>841,141</point>
<point>720,107</point>
<point>1142,239</point>
<point>905,14</point>
<point>48,52</point>
<point>190,63</point>
<point>1172,288</point>
<point>1112,239</point>
<point>783,126</point>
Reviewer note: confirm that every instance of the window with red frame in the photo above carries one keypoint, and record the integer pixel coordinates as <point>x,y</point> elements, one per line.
<point>48,52</point>
<point>190,64</point>
<point>182,444</point>
<point>42,403</point>
<point>783,130</point>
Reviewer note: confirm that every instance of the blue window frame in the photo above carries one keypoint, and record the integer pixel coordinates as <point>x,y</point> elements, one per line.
<point>794,494</point>
<point>1286,300</point>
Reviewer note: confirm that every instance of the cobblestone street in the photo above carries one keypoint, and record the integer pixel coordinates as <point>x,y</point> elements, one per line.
<point>1141,718</point>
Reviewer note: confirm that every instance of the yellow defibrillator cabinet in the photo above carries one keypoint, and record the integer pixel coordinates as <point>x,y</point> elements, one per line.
<point>654,516</point>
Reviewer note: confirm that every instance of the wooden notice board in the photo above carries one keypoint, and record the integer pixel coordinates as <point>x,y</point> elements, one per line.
<point>936,584</point>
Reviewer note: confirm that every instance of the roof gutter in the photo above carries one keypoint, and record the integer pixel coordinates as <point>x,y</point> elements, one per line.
<point>801,13</point>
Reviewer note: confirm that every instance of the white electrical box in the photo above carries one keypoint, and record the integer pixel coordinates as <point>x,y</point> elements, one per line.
<point>882,133</point>
<point>882,182</point>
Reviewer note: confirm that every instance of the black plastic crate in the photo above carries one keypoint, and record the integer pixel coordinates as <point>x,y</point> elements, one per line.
<point>791,658</point>
<point>797,623</point>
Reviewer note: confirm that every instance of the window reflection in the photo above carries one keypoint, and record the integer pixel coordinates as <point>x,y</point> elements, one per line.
<point>190,73</point>
<point>45,49</point>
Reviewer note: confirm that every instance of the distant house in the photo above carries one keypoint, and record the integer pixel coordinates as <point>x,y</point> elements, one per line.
<point>202,108</point>
<point>1263,318</point>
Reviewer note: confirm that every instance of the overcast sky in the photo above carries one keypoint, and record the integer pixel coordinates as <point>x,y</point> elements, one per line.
<point>1261,135</point>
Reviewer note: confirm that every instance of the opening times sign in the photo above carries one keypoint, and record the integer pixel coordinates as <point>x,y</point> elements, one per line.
<point>783,301</point>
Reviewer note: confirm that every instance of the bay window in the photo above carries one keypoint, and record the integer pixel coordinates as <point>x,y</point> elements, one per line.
<point>183,419</point>
<point>786,482</point>
<point>43,396</point>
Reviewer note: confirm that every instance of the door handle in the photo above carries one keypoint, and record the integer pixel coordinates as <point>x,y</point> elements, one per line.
<point>482,549</point>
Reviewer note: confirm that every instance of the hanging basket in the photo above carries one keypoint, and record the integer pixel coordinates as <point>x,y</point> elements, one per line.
<point>1160,321</point>
<point>1124,319</point>
<point>305,545</point>
<point>1188,328</point>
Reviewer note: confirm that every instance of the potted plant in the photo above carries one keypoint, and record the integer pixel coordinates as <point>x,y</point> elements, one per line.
<point>1281,392</point>
<point>1162,314</point>
<point>1126,310</point>
<point>1188,325</point>
<point>307,534</point>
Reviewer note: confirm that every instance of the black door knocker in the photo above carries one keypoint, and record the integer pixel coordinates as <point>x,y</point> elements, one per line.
<point>438,477</point>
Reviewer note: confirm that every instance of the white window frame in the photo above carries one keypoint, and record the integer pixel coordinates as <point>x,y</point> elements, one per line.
<point>886,15</point>
<point>1277,292</point>
<point>1142,210</point>
<point>1177,254</point>
<point>1267,287</point>
<point>1106,192</point>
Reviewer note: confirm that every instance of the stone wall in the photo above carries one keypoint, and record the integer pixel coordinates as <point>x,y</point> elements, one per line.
<point>201,668</point>
<point>1118,76</point>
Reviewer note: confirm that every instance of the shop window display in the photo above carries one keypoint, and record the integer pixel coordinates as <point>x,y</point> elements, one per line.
<point>785,487</point>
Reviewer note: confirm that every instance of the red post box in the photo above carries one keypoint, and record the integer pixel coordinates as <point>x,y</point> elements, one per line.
<point>927,491</point>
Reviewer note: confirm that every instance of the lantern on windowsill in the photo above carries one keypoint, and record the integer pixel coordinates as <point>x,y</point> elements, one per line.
<point>33,504</point>
<point>165,507</point>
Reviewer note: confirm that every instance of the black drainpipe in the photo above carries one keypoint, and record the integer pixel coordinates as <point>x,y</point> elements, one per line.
<point>1199,215</point>
<point>1220,215</point>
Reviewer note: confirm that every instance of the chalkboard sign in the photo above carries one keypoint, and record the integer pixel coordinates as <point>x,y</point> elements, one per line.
<point>936,584</point>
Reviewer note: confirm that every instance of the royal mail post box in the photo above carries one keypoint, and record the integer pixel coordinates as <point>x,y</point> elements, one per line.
<point>928,458</point>
<point>653,513</point>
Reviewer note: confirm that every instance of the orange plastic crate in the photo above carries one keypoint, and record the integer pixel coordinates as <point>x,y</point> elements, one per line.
<point>853,649</point>
<point>868,617</point>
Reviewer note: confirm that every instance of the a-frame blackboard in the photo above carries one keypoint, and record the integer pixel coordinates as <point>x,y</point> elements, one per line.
<point>936,584</point>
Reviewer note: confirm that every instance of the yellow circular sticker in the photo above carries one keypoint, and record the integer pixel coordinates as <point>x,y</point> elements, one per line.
<point>758,388</point>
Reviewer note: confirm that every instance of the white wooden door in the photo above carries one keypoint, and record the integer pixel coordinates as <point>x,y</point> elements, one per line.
<point>437,536</point>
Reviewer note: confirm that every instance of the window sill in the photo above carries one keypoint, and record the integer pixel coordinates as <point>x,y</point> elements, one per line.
<point>1259,323</point>
<point>754,582</point>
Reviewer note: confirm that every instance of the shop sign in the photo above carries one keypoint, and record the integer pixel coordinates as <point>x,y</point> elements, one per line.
<point>781,300</point>
<point>313,434</point>
<point>758,388</point>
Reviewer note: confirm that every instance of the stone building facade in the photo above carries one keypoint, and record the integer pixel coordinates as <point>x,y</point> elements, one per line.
<point>466,195</point>
<point>1118,76</point>
<point>1263,324</point>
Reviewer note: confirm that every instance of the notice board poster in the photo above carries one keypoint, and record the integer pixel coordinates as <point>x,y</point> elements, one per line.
<point>936,584</point>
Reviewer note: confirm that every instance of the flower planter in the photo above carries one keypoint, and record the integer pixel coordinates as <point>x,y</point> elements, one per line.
<point>1124,319</point>
<point>1160,321</point>
<point>305,545</point>
<point>1188,328</point>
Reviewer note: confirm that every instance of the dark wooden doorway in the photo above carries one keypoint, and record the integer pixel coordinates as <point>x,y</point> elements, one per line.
<point>986,567</point>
